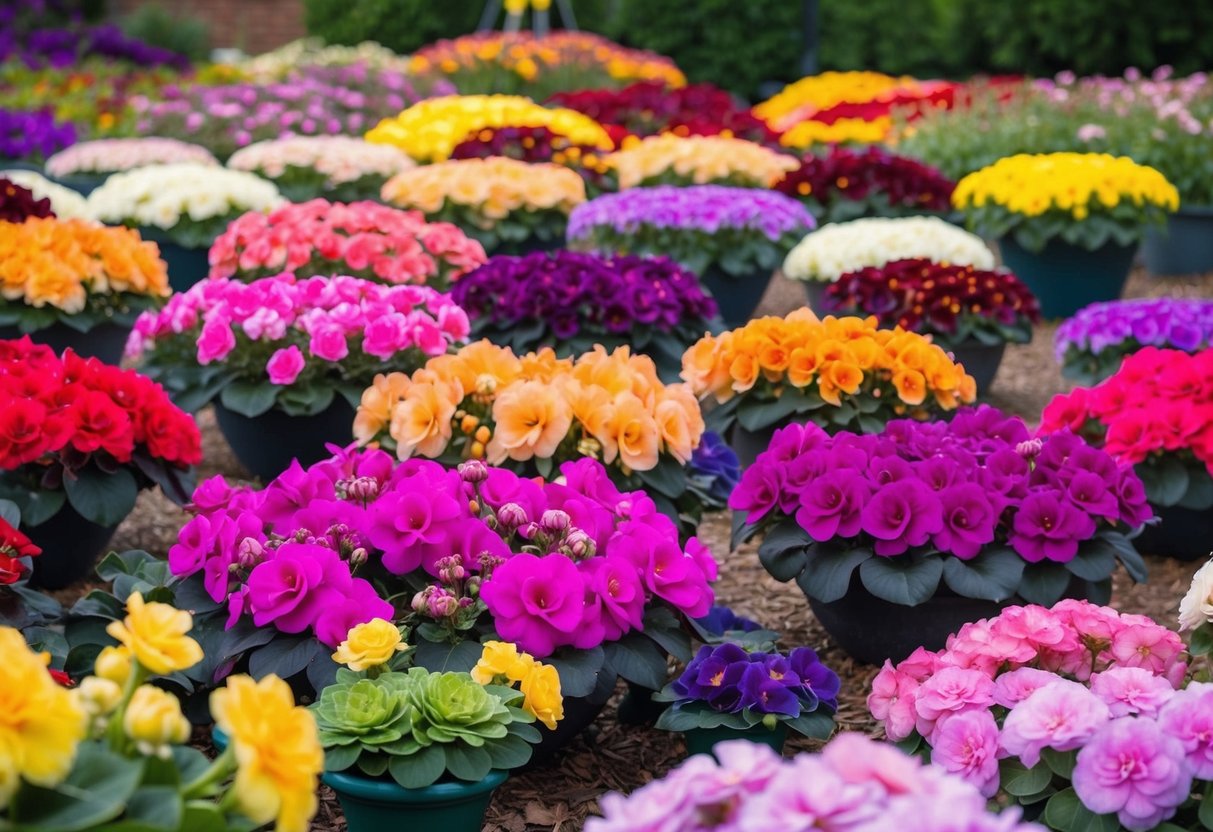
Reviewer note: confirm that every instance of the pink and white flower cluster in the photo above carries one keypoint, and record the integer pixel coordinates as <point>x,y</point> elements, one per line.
<point>854,785</point>
<point>340,159</point>
<point>103,156</point>
<point>364,239</point>
<point>1076,677</point>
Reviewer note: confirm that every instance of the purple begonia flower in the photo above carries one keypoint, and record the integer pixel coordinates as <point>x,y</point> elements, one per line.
<point>1181,323</point>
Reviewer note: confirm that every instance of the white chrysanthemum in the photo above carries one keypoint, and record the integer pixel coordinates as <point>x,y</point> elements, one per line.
<point>162,195</point>
<point>838,248</point>
<point>66,203</point>
<point>1197,606</point>
<point>339,158</point>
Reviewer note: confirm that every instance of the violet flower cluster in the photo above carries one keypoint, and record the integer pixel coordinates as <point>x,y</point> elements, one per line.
<point>1091,344</point>
<point>1078,679</point>
<point>854,785</point>
<point>571,564</point>
<point>953,487</point>
<point>32,135</point>
<point>61,48</point>
<point>730,680</point>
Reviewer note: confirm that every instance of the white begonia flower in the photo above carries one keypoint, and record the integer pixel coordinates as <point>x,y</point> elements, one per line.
<point>165,194</point>
<point>1197,606</point>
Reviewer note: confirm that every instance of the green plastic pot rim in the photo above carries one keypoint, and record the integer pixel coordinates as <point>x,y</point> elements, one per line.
<point>388,791</point>
<point>1202,211</point>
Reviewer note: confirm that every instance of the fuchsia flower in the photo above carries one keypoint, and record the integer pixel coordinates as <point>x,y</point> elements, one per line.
<point>292,587</point>
<point>1131,767</point>
<point>285,365</point>
<point>538,601</point>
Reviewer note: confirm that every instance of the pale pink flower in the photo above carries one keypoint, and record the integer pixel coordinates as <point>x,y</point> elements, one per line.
<point>1131,690</point>
<point>1062,715</point>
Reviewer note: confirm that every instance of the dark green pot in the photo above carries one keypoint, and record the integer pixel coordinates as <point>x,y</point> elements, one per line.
<point>9,163</point>
<point>815,291</point>
<point>105,342</point>
<point>703,740</point>
<point>737,297</point>
<point>523,247</point>
<point>186,266</point>
<point>981,361</point>
<point>70,548</point>
<point>1183,246</point>
<point>383,806</point>
<point>266,444</point>
<point>82,183</point>
<point>1065,277</point>
<point>1183,534</point>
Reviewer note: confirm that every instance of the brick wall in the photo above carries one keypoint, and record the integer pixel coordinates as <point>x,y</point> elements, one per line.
<point>254,26</point>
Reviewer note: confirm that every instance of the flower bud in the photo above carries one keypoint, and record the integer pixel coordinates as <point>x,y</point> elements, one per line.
<point>154,721</point>
<point>555,521</point>
<point>770,721</point>
<point>98,696</point>
<point>529,531</point>
<point>579,544</point>
<point>511,516</point>
<point>1029,448</point>
<point>473,470</point>
<point>421,599</point>
<point>443,605</point>
<point>358,557</point>
<point>114,663</point>
<point>249,552</point>
<point>362,489</point>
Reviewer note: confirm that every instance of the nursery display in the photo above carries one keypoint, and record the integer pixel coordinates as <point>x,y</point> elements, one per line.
<point>971,313</point>
<point>72,283</point>
<point>21,606</point>
<point>27,138</point>
<point>838,373</point>
<point>80,440</point>
<point>733,238</point>
<point>571,301</point>
<point>340,168</point>
<point>428,131</point>
<point>538,144</point>
<point>1077,712</point>
<point>1091,345</point>
<point>508,206</point>
<point>367,240</point>
<point>65,203</point>
<point>1156,414</point>
<point>85,165</point>
<point>181,207</point>
<point>925,526</point>
<point>1068,224</point>
<point>285,359</point>
<point>17,203</point>
<point>669,159</point>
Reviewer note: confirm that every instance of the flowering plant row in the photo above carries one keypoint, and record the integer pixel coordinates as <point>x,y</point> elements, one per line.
<point>32,135</point>
<point>281,342</point>
<point>366,240</point>
<point>669,159</point>
<point>830,97</point>
<point>537,144</point>
<point>65,203</point>
<point>341,168</point>
<point>974,503</point>
<point>1091,345</point>
<point>18,203</point>
<point>105,156</point>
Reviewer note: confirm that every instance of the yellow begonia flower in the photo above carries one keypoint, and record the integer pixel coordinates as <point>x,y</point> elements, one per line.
<point>277,751</point>
<point>155,633</point>
<point>98,696</point>
<point>541,692</point>
<point>114,664</point>
<point>153,719</point>
<point>501,659</point>
<point>41,723</point>
<point>370,644</point>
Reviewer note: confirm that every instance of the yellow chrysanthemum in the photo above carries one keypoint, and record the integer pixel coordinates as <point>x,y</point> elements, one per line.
<point>369,645</point>
<point>821,92</point>
<point>153,719</point>
<point>807,133</point>
<point>155,633</point>
<point>501,659</point>
<point>494,187</point>
<point>541,694</point>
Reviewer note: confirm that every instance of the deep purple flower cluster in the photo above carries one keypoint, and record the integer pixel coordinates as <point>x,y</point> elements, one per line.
<point>32,134</point>
<point>716,464</point>
<point>570,291</point>
<point>956,486</point>
<point>61,48</point>
<point>1092,343</point>
<point>721,619</point>
<point>730,680</point>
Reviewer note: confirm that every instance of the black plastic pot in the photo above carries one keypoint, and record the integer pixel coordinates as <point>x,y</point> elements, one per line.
<point>981,361</point>
<point>737,297</point>
<point>71,547</point>
<point>1184,246</point>
<point>104,342</point>
<point>266,444</point>
<point>638,707</point>
<point>579,713</point>
<point>1183,534</point>
<point>815,291</point>
<point>186,266</point>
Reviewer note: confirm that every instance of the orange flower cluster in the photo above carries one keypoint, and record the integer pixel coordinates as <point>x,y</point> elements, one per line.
<point>486,402</point>
<point>846,356</point>
<point>62,262</point>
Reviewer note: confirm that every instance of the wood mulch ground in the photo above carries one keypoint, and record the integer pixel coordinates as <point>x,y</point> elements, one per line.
<point>611,755</point>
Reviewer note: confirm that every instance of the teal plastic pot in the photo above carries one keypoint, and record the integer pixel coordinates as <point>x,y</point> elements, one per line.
<point>9,163</point>
<point>186,266</point>
<point>1065,277</point>
<point>703,740</point>
<point>104,342</point>
<point>737,297</point>
<point>384,806</point>
<point>82,183</point>
<point>1183,246</point>
<point>266,444</point>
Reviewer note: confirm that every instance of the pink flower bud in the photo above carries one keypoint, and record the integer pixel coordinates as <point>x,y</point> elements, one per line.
<point>511,516</point>
<point>362,489</point>
<point>555,521</point>
<point>579,544</point>
<point>473,470</point>
<point>358,557</point>
<point>248,553</point>
<point>1029,449</point>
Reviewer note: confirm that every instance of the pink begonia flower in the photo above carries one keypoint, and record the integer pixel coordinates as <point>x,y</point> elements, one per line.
<point>892,701</point>
<point>808,794</point>
<point>1062,715</point>
<point>329,343</point>
<point>285,365</point>
<point>967,745</point>
<point>858,759</point>
<point>1012,688</point>
<point>1131,691</point>
<point>1188,716</point>
<point>948,692</point>
<point>1142,643</point>
<point>1133,768</point>
<point>216,341</point>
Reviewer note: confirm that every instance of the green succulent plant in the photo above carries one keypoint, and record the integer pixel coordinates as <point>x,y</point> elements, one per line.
<point>451,707</point>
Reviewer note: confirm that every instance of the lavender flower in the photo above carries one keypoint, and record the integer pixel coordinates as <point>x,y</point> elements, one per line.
<point>1091,344</point>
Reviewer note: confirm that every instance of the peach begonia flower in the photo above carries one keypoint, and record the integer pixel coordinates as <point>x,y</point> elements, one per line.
<point>532,419</point>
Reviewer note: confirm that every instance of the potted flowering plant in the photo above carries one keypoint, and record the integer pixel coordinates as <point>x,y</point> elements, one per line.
<point>733,238</point>
<point>1091,345</point>
<point>510,207</point>
<point>926,526</point>
<point>727,692</point>
<point>362,239</point>
<point>340,168</point>
<point>26,138</point>
<point>1153,414</point>
<point>284,359</point>
<point>83,438</point>
<point>534,412</point>
<point>571,301</point>
<point>1067,224</point>
<point>1090,728</point>
<point>182,207</point>
<point>21,606</point>
<point>824,256</point>
<point>669,159</point>
<point>84,166</point>
<point>73,283</point>
<point>113,751</point>
<point>538,144</point>
<point>849,183</point>
<point>18,203</point>
<point>65,203</point>
<point>971,313</point>
<point>428,747</point>
<point>772,371</point>
<point>855,784</point>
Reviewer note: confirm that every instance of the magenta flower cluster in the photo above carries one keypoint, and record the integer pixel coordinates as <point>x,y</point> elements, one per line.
<point>956,487</point>
<point>854,785</point>
<point>1076,677</point>
<point>575,563</point>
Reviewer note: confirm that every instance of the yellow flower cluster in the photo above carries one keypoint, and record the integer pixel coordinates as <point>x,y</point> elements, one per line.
<point>501,406</point>
<point>838,355</point>
<point>1031,184</point>
<point>802,98</point>
<point>62,262</point>
<point>500,662</point>
<point>699,160</point>
<point>429,130</point>
<point>809,132</point>
<point>370,644</point>
<point>493,187</point>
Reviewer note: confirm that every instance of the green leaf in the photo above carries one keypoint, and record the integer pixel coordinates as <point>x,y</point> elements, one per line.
<point>1199,496</point>
<point>40,506</point>
<point>509,752</point>
<point>828,570</point>
<point>906,580</point>
<point>784,550</point>
<point>201,816</point>
<point>1022,782</point>
<point>150,809</point>
<point>1201,642</point>
<point>993,575</point>
<point>638,660</point>
<point>662,626</point>
<point>578,669</point>
<point>817,725</point>
<point>1065,811</point>
<point>1205,814</point>
<point>341,757</point>
<point>667,477</point>
<point>104,499</point>
<point>96,791</point>
<point>678,719</point>
<point>10,513</point>
<point>284,656</point>
<point>1044,583</point>
<point>249,398</point>
<point>1127,554</point>
<point>468,763</point>
<point>1060,763</point>
<point>1096,560</point>
<point>441,656</point>
<point>416,771</point>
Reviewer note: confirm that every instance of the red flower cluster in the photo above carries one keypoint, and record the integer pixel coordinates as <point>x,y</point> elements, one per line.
<point>649,107</point>
<point>933,298</point>
<point>873,175</point>
<point>1160,401</point>
<point>17,204</point>
<point>13,545</point>
<point>534,144</point>
<point>73,408</point>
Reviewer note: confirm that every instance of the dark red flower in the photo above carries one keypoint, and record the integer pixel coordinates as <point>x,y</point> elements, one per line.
<point>17,204</point>
<point>14,543</point>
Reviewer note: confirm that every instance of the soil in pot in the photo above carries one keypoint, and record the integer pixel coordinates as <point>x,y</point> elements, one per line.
<point>981,361</point>
<point>1183,534</point>
<point>703,740</point>
<point>266,444</point>
<point>1184,246</point>
<point>105,342</point>
<point>737,297</point>
<point>384,806</point>
<point>71,547</point>
<point>1065,277</point>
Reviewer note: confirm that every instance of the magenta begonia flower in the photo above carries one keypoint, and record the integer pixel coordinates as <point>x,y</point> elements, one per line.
<point>296,584</point>
<point>968,520</point>
<point>1049,527</point>
<point>285,365</point>
<point>830,506</point>
<point>536,602</point>
<point>1133,768</point>
<point>900,515</point>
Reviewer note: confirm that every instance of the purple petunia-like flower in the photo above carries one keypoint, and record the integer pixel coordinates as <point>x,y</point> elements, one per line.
<point>730,680</point>
<point>1100,334</point>
<point>33,134</point>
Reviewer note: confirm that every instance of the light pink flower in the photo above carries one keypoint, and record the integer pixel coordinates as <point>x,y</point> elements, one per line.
<point>1012,688</point>
<point>967,744</point>
<point>949,692</point>
<point>892,701</point>
<point>1131,690</point>
<point>1062,715</point>
<point>1188,716</point>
